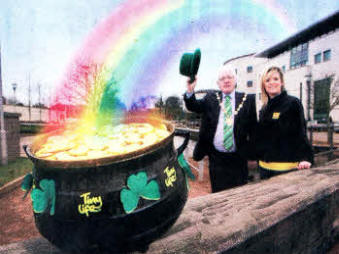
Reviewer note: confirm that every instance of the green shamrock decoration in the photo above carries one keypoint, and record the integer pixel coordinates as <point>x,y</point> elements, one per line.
<point>138,187</point>
<point>44,197</point>
<point>27,182</point>
<point>186,167</point>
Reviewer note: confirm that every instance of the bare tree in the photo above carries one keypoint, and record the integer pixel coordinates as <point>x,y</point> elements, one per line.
<point>334,95</point>
<point>83,85</point>
<point>328,102</point>
<point>160,104</point>
<point>334,102</point>
<point>173,107</point>
<point>29,97</point>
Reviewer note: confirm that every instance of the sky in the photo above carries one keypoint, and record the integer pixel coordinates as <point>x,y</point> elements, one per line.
<point>40,39</point>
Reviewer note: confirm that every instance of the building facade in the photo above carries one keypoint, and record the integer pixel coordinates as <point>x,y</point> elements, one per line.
<point>27,114</point>
<point>247,68</point>
<point>310,62</point>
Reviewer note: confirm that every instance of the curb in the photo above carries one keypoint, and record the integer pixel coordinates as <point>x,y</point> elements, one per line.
<point>8,187</point>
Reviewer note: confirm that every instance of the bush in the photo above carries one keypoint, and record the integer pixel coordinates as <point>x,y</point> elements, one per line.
<point>14,169</point>
<point>30,128</point>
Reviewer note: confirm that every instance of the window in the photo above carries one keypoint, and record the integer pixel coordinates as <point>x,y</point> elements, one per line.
<point>327,55</point>
<point>299,56</point>
<point>283,68</point>
<point>317,58</point>
<point>249,83</point>
<point>321,104</point>
<point>249,69</point>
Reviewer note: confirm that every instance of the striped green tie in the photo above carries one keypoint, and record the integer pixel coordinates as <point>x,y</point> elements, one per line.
<point>228,128</point>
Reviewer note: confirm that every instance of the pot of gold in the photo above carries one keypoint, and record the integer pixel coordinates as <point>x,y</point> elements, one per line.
<point>117,191</point>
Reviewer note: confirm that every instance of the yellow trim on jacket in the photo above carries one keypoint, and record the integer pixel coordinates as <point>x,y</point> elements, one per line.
<point>279,166</point>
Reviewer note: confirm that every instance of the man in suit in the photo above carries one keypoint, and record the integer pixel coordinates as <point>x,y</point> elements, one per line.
<point>227,129</point>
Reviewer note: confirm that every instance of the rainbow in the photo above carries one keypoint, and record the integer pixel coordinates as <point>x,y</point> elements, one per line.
<point>125,56</point>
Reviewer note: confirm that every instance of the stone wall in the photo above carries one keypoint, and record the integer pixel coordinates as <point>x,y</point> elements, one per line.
<point>292,213</point>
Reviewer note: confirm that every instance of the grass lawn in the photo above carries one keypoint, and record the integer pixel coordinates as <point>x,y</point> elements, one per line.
<point>14,169</point>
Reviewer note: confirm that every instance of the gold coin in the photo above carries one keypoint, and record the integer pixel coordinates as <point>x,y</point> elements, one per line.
<point>161,133</point>
<point>131,148</point>
<point>112,140</point>
<point>162,127</point>
<point>42,154</point>
<point>92,154</point>
<point>150,139</point>
<point>64,156</point>
<point>78,151</point>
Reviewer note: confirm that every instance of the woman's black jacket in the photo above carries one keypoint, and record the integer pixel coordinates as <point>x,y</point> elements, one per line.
<point>281,131</point>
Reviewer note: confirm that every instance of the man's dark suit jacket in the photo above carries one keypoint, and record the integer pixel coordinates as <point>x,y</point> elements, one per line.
<point>244,123</point>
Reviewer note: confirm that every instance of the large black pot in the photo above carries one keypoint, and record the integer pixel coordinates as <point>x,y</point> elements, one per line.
<point>105,225</point>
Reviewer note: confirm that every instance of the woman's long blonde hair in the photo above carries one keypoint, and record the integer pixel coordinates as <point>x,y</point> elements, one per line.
<point>264,95</point>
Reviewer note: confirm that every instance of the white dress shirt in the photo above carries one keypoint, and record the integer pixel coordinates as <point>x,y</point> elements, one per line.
<point>218,140</point>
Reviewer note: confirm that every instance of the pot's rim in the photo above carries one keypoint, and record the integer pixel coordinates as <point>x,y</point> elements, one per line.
<point>102,161</point>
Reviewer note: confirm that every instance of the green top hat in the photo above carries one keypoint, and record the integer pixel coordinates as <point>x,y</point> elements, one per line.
<point>189,64</point>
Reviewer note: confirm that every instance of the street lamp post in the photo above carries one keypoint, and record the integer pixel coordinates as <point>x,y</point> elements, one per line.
<point>3,143</point>
<point>308,85</point>
<point>14,86</point>
<point>39,89</point>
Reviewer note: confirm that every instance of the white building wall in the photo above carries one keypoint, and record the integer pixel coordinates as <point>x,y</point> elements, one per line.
<point>37,114</point>
<point>295,79</point>
<point>319,45</point>
<point>241,64</point>
<point>324,69</point>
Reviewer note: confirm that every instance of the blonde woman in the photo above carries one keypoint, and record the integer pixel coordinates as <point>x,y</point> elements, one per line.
<point>281,141</point>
